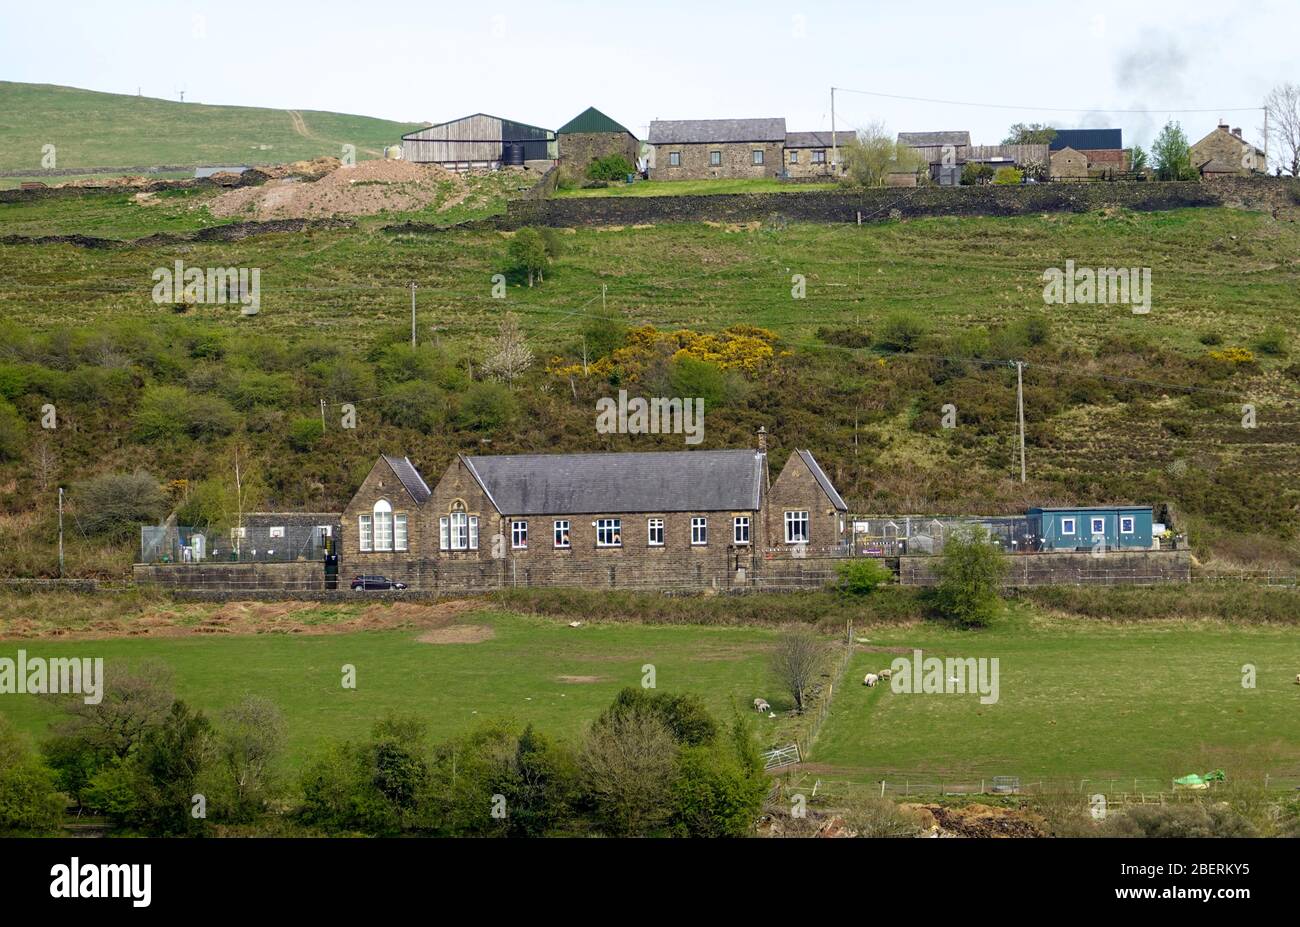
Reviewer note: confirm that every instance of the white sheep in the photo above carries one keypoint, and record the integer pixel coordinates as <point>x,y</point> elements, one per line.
<point>886,674</point>
<point>870,679</point>
<point>760,704</point>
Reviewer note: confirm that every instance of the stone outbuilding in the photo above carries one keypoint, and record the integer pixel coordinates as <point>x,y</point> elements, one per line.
<point>1068,164</point>
<point>592,135</point>
<point>703,149</point>
<point>1225,148</point>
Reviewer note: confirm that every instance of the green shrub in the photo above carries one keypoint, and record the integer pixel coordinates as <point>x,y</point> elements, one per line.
<point>29,802</point>
<point>486,406</point>
<point>13,436</point>
<point>1272,341</point>
<point>115,504</point>
<point>861,576</point>
<point>1006,176</point>
<point>528,254</point>
<point>1190,820</point>
<point>718,789</point>
<point>610,167</point>
<point>900,331</point>
<point>416,405</point>
<point>304,433</point>
<point>970,578</point>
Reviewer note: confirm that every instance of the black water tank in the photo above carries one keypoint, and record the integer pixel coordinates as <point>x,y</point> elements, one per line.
<point>515,154</point>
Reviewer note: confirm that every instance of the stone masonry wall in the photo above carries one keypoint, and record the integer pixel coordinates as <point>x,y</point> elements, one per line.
<point>578,149</point>
<point>737,161</point>
<point>1070,569</point>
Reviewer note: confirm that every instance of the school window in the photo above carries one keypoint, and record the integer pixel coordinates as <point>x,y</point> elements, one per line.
<point>399,532</point>
<point>796,527</point>
<point>794,157</point>
<point>1067,526</point>
<point>740,529</point>
<point>819,157</point>
<point>561,534</point>
<point>383,525</point>
<point>609,532</point>
<point>674,159</point>
<point>699,530</point>
<point>1099,526</point>
<point>458,531</point>
<point>715,158</point>
<point>518,534</point>
<point>363,532</point>
<point>758,156</point>
<point>1126,525</point>
<point>655,532</point>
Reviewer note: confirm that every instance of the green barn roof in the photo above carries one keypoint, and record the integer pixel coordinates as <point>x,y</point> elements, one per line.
<point>591,120</point>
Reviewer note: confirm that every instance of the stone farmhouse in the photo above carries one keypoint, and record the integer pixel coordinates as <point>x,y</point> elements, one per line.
<point>1225,153</point>
<point>1102,149</point>
<point>697,519</point>
<point>702,149</point>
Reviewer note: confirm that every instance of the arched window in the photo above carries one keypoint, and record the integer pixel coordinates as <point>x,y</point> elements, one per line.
<point>383,525</point>
<point>458,530</point>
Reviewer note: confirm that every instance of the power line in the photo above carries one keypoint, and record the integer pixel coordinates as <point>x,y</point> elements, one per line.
<point>1048,109</point>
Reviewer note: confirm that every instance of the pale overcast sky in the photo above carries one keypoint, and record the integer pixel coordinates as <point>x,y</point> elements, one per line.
<point>543,62</point>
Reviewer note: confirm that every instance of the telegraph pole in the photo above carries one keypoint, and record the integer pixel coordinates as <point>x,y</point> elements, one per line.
<point>1020,408</point>
<point>322,415</point>
<point>412,313</point>
<point>60,532</point>
<point>835,151</point>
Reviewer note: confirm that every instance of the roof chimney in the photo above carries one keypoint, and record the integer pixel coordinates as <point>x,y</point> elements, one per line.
<point>1222,124</point>
<point>1237,132</point>
<point>762,439</point>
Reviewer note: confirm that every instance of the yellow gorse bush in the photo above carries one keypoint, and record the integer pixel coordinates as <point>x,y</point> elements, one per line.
<point>746,348</point>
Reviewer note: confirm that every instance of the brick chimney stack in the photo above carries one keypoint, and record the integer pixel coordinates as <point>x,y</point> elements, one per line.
<point>762,439</point>
<point>1237,132</point>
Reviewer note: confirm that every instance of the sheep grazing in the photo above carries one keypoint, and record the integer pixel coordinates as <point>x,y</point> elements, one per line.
<point>1297,679</point>
<point>886,674</point>
<point>870,679</point>
<point>760,704</point>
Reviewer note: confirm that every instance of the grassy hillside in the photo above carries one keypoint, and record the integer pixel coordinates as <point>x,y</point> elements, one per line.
<point>92,129</point>
<point>899,320</point>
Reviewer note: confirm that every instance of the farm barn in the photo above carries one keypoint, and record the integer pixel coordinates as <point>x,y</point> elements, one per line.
<point>592,135</point>
<point>479,142</point>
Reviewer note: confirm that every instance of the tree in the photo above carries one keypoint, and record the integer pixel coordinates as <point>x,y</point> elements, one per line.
<point>685,716</point>
<point>1031,133</point>
<point>797,660</point>
<point>976,173</point>
<point>486,406</point>
<point>29,802</point>
<point>1138,160</point>
<point>305,432</point>
<point>1173,156</point>
<point>114,504</point>
<point>718,789</point>
<point>970,578</point>
<point>1283,104</point>
<point>249,742</point>
<point>861,576</point>
<point>626,767</point>
<point>527,252</point>
<point>509,356</point>
<point>871,154</point>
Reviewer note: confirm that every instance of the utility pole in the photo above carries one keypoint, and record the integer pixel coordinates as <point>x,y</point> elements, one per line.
<point>1020,407</point>
<point>603,288</point>
<point>1265,139</point>
<point>60,532</point>
<point>835,150</point>
<point>322,415</point>
<point>412,313</point>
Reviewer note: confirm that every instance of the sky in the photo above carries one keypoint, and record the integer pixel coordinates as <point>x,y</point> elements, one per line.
<point>543,62</point>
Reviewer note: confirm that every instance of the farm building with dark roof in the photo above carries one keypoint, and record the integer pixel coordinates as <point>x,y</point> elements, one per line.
<point>590,136</point>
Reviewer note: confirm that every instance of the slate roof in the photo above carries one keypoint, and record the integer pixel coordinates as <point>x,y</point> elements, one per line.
<point>933,139</point>
<point>698,131</point>
<point>1087,139</point>
<point>410,478</point>
<point>661,481</point>
<point>823,480</point>
<point>591,120</point>
<point>818,139</point>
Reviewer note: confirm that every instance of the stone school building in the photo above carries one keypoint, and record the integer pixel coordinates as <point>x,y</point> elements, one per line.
<point>692,519</point>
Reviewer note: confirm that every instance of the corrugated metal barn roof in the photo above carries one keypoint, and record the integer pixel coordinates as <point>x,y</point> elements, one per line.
<point>591,120</point>
<point>1087,139</point>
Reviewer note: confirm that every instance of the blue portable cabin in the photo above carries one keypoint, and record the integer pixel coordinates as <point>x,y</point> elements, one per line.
<point>1081,527</point>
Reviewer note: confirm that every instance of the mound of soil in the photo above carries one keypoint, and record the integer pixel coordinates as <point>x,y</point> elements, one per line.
<point>363,189</point>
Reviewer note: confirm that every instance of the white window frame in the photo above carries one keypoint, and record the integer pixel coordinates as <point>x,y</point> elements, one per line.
<point>364,536</point>
<point>793,518</point>
<point>674,159</point>
<point>699,531</point>
<point>609,532</point>
<point>794,157</point>
<point>519,535</point>
<point>458,531</point>
<point>400,538</point>
<point>654,527</point>
<point>561,529</point>
<point>444,533</point>
<point>1093,521</point>
<point>383,526</point>
<point>737,523</point>
<point>715,159</point>
<point>757,157</point>
<point>1069,526</point>
<point>1130,522</point>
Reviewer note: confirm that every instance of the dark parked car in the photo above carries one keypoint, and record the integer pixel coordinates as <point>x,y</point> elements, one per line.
<point>375,582</point>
